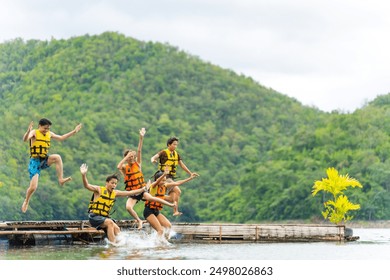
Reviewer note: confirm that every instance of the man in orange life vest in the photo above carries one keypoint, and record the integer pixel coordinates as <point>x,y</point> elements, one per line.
<point>130,167</point>
<point>40,158</point>
<point>170,158</point>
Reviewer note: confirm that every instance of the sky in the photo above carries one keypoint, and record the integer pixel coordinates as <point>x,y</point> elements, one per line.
<point>331,54</point>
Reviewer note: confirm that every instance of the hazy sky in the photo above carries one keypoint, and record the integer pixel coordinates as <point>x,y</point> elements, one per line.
<point>331,54</point>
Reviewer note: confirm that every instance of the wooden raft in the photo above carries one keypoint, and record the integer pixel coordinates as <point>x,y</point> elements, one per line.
<point>261,232</point>
<point>54,232</point>
<point>81,232</point>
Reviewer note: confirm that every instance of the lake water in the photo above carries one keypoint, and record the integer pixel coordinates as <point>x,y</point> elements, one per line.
<point>373,244</point>
<point>366,258</point>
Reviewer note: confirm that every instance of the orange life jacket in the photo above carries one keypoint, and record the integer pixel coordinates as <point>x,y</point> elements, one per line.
<point>134,179</point>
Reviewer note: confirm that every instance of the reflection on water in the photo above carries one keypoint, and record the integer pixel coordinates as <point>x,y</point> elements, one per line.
<point>373,244</point>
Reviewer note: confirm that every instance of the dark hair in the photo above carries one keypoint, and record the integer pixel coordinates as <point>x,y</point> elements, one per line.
<point>44,121</point>
<point>126,152</point>
<point>158,174</point>
<point>113,176</point>
<point>171,140</point>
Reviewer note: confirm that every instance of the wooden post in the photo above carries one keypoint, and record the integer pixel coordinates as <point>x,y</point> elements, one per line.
<point>257,233</point>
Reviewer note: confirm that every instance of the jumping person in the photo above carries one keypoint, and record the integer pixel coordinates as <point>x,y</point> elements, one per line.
<point>171,158</point>
<point>130,167</point>
<point>103,200</point>
<point>40,158</point>
<point>152,209</point>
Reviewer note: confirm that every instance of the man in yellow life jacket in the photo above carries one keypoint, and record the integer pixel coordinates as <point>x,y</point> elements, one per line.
<point>40,158</point>
<point>103,200</point>
<point>170,158</point>
<point>130,167</point>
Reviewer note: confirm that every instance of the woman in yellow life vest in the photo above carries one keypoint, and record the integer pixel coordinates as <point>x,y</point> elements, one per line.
<point>152,208</point>
<point>170,158</point>
<point>130,167</point>
<point>40,140</point>
<point>103,200</point>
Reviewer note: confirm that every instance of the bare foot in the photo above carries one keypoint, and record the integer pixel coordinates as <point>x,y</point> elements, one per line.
<point>176,210</point>
<point>139,224</point>
<point>63,181</point>
<point>24,206</point>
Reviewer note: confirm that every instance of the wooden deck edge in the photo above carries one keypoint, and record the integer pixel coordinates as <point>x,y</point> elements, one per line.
<point>187,232</point>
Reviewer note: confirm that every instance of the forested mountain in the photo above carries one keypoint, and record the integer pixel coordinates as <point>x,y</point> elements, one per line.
<point>258,152</point>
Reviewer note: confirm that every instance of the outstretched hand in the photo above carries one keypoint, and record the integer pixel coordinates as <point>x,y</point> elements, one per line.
<point>30,126</point>
<point>84,169</point>
<point>194,175</point>
<point>142,131</point>
<point>78,127</point>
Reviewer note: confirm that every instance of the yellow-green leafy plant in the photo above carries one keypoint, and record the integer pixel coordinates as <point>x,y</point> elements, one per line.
<point>336,209</point>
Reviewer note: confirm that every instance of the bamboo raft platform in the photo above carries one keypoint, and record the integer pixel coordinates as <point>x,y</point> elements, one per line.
<point>22,233</point>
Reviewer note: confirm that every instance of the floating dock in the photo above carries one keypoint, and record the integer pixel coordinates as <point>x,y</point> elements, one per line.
<point>262,232</point>
<point>22,233</point>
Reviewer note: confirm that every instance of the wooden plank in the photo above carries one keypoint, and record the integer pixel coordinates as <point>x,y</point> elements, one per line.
<point>50,232</point>
<point>260,232</point>
<point>190,231</point>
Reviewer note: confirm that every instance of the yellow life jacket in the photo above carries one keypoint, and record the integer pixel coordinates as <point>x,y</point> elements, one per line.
<point>134,179</point>
<point>172,162</point>
<point>157,191</point>
<point>103,204</point>
<point>40,147</point>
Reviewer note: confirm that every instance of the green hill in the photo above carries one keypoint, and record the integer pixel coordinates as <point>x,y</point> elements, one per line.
<point>258,151</point>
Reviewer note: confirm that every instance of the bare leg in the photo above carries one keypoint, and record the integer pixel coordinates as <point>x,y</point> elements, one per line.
<point>57,160</point>
<point>149,197</point>
<point>31,189</point>
<point>155,224</point>
<point>112,229</point>
<point>174,196</point>
<point>176,210</point>
<point>130,208</point>
<point>165,223</point>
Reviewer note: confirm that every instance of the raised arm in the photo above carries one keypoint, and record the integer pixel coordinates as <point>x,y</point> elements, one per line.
<point>28,135</point>
<point>83,171</point>
<point>140,142</point>
<point>121,164</point>
<point>154,158</point>
<point>66,135</point>
<point>159,179</point>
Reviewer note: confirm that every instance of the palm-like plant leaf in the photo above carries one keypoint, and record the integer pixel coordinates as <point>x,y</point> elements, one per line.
<point>335,183</point>
<point>336,210</point>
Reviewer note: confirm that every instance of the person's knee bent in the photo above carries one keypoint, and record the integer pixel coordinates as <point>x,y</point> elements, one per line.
<point>54,158</point>
<point>109,223</point>
<point>117,229</point>
<point>129,209</point>
<point>177,190</point>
